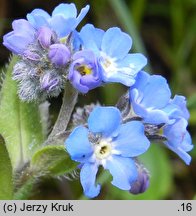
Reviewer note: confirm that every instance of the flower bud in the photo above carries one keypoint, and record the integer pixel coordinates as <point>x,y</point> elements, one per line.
<point>46,37</point>
<point>142,182</point>
<point>59,54</point>
<point>48,82</point>
<point>31,55</point>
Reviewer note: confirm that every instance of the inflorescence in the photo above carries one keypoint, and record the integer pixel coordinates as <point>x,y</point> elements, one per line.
<point>52,52</point>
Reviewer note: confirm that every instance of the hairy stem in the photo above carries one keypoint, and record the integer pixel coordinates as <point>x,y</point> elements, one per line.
<point>68,104</point>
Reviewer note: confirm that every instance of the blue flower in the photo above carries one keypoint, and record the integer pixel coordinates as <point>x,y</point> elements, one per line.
<point>22,35</point>
<point>85,71</point>
<point>149,96</point>
<point>112,48</point>
<point>110,144</point>
<point>63,21</point>
<point>178,139</point>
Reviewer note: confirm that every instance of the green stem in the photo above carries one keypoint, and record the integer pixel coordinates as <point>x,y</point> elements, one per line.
<point>68,104</point>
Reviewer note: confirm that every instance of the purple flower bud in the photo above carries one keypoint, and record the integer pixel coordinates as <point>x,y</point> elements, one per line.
<point>85,71</point>
<point>59,54</point>
<point>142,182</point>
<point>49,82</point>
<point>46,37</point>
<point>28,54</point>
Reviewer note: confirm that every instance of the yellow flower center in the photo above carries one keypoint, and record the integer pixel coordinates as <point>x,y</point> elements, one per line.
<point>84,70</point>
<point>103,150</point>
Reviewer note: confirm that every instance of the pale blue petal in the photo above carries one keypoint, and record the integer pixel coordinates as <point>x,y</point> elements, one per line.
<point>152,116</point>
<point>38,18</point>
<point>131,141</point>
<point>172,110</point>
<point>104,120</point>
<point>116,43</point>
<point>126,69</point>
<point>88,177</point>
<point>63,26</point>
<point>91,37</point>
<point>187,143</point>
<point>175,132</point>
<point>78,145</point>
<point>141,81</point>
<point>182,151</point>
<point>65,10</point>
<point>123,75</point>
<point>156,93</point>
<point>82,13</point>
<point>135,61</point>
<point>180,101</point>
<point>123,170</point>
<point>179,140</point>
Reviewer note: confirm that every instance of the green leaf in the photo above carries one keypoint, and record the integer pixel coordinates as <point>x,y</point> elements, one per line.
<point>6,182</point>
<point>156,161</point>
<point>53,160</point>
<point>19,122</point>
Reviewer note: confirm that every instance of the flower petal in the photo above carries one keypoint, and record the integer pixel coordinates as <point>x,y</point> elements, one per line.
<point>134,61</point>
<point>87,177</point>
<point>16,44</point>
<point>123,170</point>
<point>91,37</point>
<point>78,145</point>
<point>180,101</point>
<point>24,28</point>
<point>82,14</point>
<point>104,120</point>
<point>63,26</point>
<point>151,116</point>
<point>116,43</point>
<point>157,86</point>
<point>181,151</point>
<point>131,141</point>
<point>175,132</point>
<point>38,18</point>
<point>65,10</point>
<point>178,139</point>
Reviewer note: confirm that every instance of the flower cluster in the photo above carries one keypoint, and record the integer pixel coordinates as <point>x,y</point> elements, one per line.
<point>150,99</point>
<point>52,52</point>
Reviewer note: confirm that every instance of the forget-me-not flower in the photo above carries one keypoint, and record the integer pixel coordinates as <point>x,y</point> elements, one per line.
<point>112,47</point>
<point>149,96</point>
<point>85,71</point>
<point>108,143</point>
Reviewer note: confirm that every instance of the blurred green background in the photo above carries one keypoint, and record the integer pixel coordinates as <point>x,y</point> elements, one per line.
<point>165,31</point>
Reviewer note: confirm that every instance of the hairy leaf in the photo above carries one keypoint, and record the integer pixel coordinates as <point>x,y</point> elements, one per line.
<point>53,160</point>
<point>6,183</point>
<point>19,122</point>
